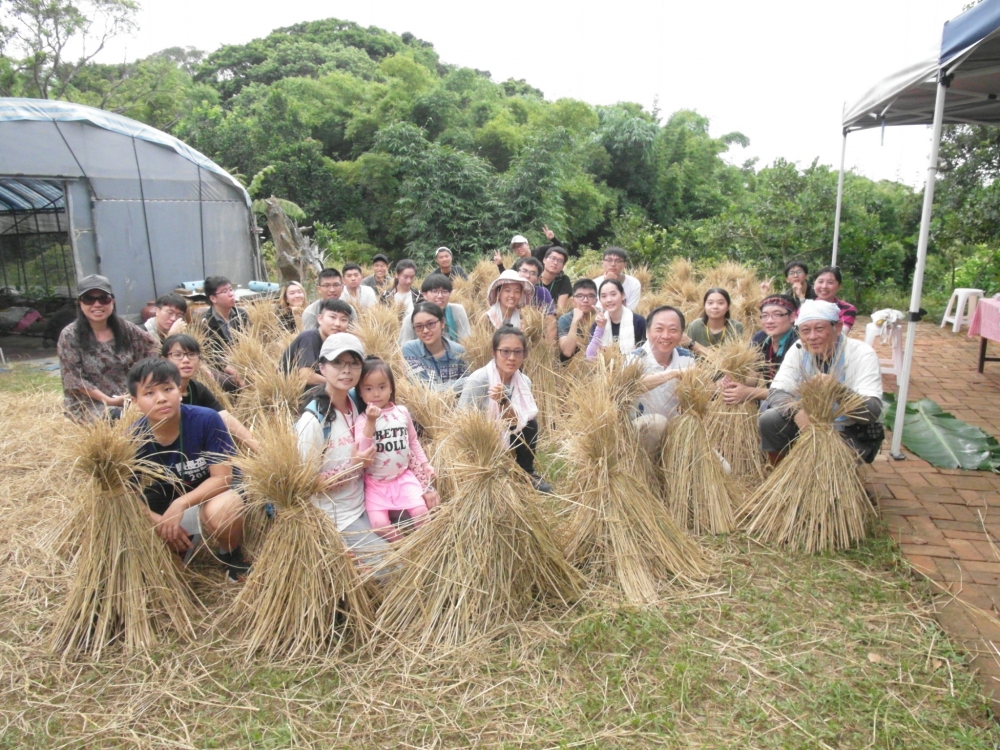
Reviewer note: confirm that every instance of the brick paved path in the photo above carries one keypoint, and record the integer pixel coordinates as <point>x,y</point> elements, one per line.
<point>947,522</point>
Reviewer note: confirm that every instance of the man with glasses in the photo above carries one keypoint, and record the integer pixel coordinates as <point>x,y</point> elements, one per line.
<point>330,285</point>
<point>221,319</point>
<point>437,289</point>
<point>574,325</point>
<point>824,351</point>
<point>614,262</point>
<point>530,269</point>
<point>777,334</point>
<point>553,278</point>
<point>168,320</point>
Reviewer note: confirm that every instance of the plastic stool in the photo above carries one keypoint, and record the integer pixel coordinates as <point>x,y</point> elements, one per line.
<point>965,304</point>
<point>892,366</point>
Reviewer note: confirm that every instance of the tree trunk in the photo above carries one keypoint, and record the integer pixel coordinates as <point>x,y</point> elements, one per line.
<point>293,251</point>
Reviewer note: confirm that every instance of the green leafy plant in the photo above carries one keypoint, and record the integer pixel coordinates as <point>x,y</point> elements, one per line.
<point>943,440</point>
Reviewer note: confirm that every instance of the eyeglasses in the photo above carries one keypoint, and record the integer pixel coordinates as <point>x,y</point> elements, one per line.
<point>345,365</point>
<point>508,353</point>
<point>338,285</point>
<point>796,272</point>
<point>181,356</point>
<point>421,327</point>
<point>93,299</point>
<point>585,297</point>
<point>773,316</point>
<point>614,260</point>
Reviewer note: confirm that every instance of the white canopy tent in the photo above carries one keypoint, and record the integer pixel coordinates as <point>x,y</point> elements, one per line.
<point>958,85</point>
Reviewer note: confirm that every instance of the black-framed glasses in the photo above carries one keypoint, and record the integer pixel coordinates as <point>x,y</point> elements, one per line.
<point>508,353</point>
<point>93,299</point>
<point>585,297</point>
<point>181,356</point>
<point>421,327</point>
<point>773,316</point>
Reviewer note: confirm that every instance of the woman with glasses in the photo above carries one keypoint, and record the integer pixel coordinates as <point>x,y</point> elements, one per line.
<point>433,359</point>
<point>776,337</point>
<point>96,351</point>
<point>185,352</point>
<point>326,428</point>
<point>502,389</point>
<point>437,288</point>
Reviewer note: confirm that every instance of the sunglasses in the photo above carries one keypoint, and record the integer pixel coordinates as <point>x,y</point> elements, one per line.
<point>93,299</point>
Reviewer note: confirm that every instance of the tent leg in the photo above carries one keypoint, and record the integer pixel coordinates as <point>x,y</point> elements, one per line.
<point>895,449</point>
<point>840,202</point>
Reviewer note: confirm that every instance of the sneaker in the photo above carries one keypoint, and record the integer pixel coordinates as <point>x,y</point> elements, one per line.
<point>540,484</point>
<point>236,567</point>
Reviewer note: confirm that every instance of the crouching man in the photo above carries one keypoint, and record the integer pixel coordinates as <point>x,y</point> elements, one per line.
<point>823,349</point>
<point>191,443</point>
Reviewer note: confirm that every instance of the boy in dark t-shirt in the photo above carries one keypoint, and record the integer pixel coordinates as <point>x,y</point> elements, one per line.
<point>190,443</point>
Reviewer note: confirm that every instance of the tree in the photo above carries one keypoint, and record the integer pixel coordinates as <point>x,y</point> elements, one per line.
<point>52,41</point>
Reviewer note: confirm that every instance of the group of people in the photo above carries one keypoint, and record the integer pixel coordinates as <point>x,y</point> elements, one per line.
<point>372,459</point>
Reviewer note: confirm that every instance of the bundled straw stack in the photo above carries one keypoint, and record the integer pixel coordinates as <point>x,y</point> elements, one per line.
<point>547,380</point>
<point>127,588</point>
<point>378,326</point>
<point>483,559</point>
<point>699,493</point>
<point>732,428</point>
<point>814,500</point>
<point>304,596</point>
<point>619,532</point>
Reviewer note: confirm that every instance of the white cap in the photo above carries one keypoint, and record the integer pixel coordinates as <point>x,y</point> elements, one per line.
<point>440,249</point>
<point>518,240</point>
<point>338,343</point>
<point>817,309</point>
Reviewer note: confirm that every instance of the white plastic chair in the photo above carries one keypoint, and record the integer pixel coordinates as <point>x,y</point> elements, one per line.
<point>964,301</point>
<point>891,333</point>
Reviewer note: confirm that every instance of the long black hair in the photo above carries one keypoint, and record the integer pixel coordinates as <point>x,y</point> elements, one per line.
<point>715,290</point>
<point>402,265</point>
<point>87,341</point>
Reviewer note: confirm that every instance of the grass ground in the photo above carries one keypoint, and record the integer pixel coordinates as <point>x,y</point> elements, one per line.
<point>775,651</point>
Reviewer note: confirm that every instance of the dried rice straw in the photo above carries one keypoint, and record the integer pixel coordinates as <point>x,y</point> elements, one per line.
<point>378,328</point>
<point>698,492</point>
<point>483,559</point>
<point>304,596</point>
<point>127,587</point>
<point>619,532</point>
<point>732,428</point>
<point>814,500</point>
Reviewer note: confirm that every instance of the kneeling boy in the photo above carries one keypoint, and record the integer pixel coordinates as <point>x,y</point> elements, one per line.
<point>191,444</point>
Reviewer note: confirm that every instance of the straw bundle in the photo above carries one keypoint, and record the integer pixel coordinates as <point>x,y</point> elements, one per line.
<point>127,587</point>
<point>644,275</point>
<point>699,493</point>
<point>479,343</point>
<point>814,500</point>
<point>618,532</point>
<point>548,386</point>
<point>304,596</point>
<point>268,388</point>
<point>732,428</point>
<point>483,559</point>
<point>262,319</point>
<point>429,408</point>
<point>378,328</point>
<point>480,278</point>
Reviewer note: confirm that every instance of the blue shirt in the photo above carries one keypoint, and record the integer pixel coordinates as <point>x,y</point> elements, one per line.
<point>444,373</point>
<point>203,441</point>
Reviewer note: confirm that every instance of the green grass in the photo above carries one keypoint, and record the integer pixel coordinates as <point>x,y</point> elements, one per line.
<point>27,378</point>
<point>779,651</point>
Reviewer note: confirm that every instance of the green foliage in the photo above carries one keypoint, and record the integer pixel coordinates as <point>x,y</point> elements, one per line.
<point>364,128</point>
<point>943,440</point>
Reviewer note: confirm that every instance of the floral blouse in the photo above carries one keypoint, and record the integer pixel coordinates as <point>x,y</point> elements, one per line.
<point>101,369</point>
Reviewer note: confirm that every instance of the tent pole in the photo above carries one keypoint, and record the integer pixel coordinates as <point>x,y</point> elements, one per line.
<point>840,202</point>
<point>918,272</point>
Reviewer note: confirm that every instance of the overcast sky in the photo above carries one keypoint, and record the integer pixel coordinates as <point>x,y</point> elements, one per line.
<point>779,71</point>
